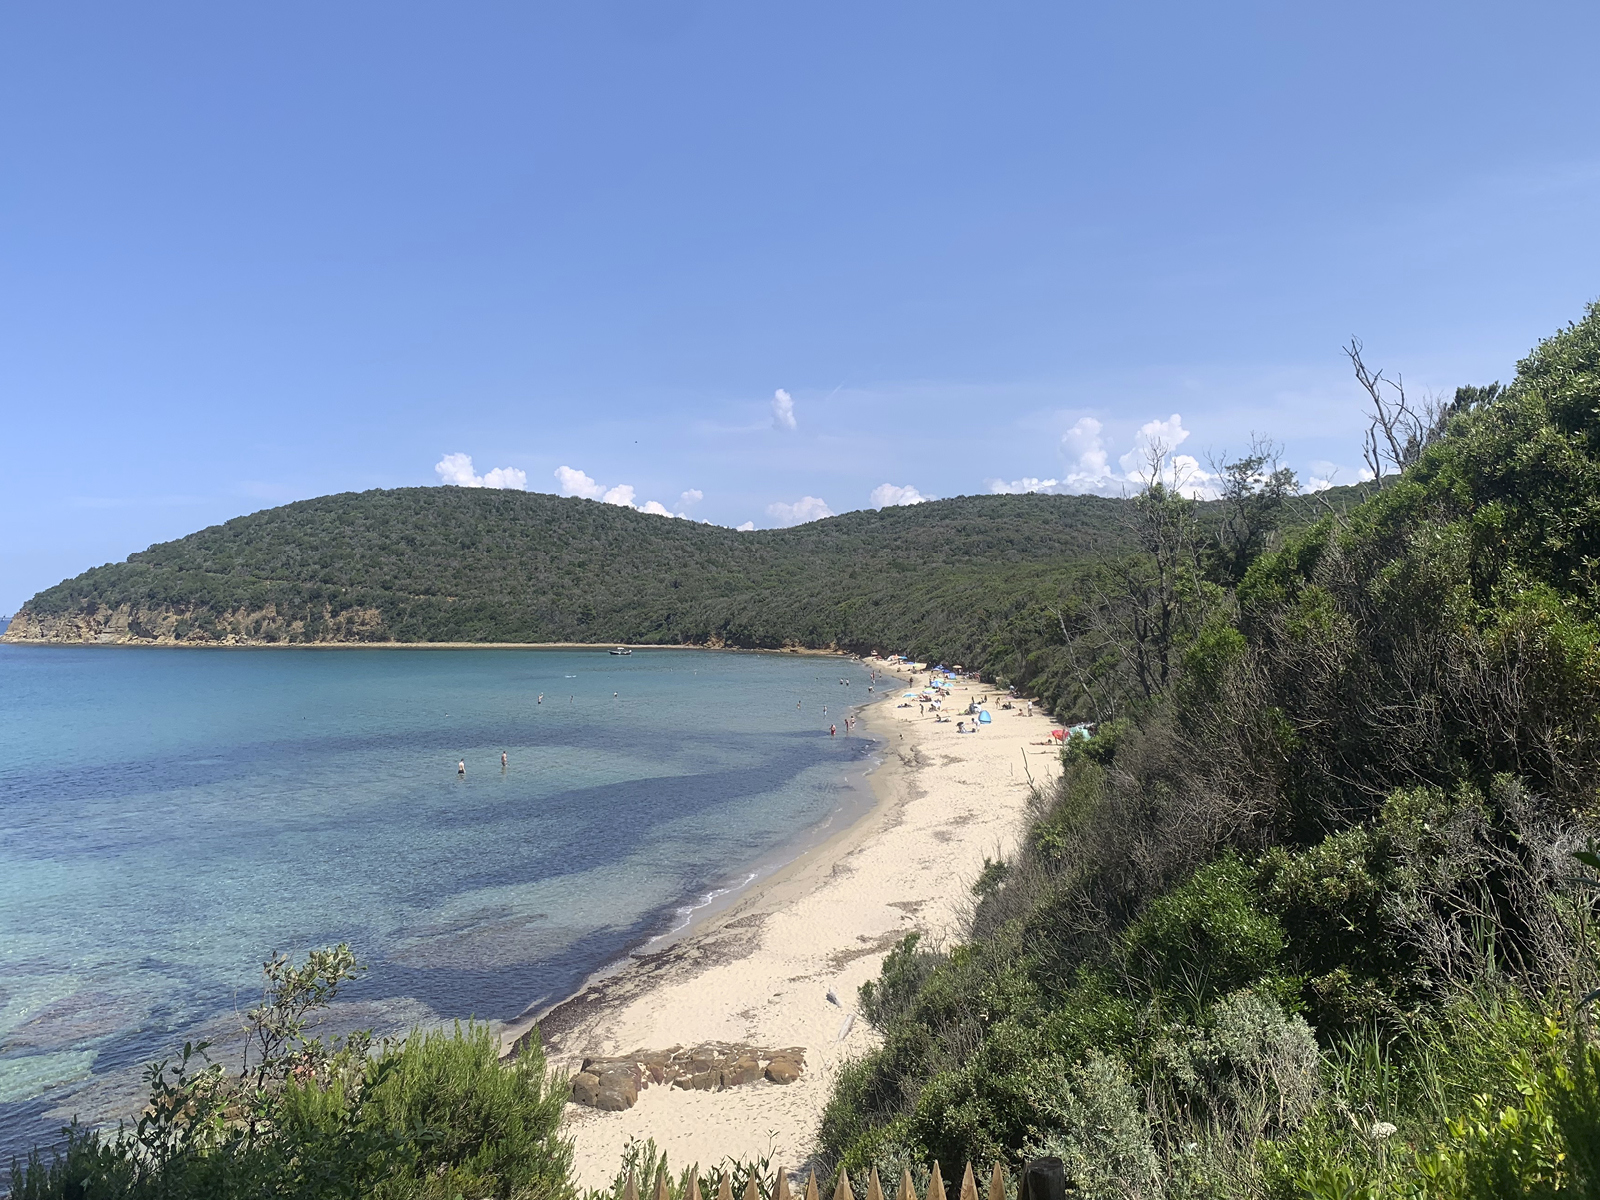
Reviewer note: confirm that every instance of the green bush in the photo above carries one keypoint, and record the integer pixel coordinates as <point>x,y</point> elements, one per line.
<point>434,1117</point>
<point>1204,938</point>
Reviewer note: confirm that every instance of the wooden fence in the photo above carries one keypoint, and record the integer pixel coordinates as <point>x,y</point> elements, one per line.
<point>843,1190</point>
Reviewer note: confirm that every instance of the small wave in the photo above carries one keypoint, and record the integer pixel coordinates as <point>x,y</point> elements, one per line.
<point>687,911</point>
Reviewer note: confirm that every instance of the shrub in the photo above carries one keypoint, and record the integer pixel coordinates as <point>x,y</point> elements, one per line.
<point>1092,1121</point>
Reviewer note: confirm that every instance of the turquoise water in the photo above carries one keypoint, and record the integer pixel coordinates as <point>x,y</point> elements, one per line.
<point>170,817</point>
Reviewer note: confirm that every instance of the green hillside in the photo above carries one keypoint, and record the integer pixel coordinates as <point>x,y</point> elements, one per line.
<point>982,580</point>
<point>456,564</point>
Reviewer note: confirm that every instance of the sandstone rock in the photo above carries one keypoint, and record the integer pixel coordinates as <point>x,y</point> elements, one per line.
<point>700,1081</point>
<point>585,1088</point>
<point>782,1070</point>
<point>744,1070</point>
<point>615,1099</point>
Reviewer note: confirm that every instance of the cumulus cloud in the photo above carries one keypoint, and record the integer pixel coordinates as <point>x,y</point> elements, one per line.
<point>887,495</point>
<point>691,497</point>
<point>807,508</point>
<point>1018,487</point>
<point>1163,437</point>
<point>746,527</point>
<point>455,470</point>
<point>1090,469</point>
<point>782,410</point>
<point>576,483</point>
<point>1323,475</point>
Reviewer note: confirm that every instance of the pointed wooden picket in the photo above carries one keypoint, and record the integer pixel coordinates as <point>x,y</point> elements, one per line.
<point>874,1188</point>
<point>662,1191</point>
<point>811,1186</point>
<point>631,1190</point>
<point>780,1186</point>
<point>752,1190</point>
<point>908,1190</point>
<point>936,1184</point>
<point>841,1190</point>
<point>969,1186</point>
<point>694,1183</point>
<point>725,1188</point>
<point>997,1183</point>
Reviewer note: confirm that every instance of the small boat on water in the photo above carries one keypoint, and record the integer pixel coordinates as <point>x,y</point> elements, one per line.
<point>622,650</point>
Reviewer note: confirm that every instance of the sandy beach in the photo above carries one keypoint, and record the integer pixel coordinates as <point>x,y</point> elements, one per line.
<point>760,971</point>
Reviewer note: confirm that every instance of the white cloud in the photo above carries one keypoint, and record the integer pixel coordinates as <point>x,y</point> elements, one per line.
<point>782,410</point>
<point>455,470</point>
<point>1089,470</point>
<point>1089,466</point>
<point>691,497</point>
<point>1324,474</point>
<point>887,495</point>
<point>1018,487</point>
<point>576,483</point>
<point>746,527</point>
<point>807,508</point>
<point>1164,436</point>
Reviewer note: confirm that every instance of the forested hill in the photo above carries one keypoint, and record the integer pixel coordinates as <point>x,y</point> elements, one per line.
<point>475,565</point>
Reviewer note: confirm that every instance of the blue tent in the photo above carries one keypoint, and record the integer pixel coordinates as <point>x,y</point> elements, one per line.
<point>984,717</point>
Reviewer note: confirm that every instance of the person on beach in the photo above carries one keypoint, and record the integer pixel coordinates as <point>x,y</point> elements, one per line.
<point>461,768</point>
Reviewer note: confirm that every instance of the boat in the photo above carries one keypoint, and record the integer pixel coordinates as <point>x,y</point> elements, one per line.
<point>621,650</point>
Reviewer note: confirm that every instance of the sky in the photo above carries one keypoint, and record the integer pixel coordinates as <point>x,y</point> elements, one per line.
<point>752,263</point>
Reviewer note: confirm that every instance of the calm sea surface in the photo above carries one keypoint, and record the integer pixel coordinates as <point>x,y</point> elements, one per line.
<point>170,817</point>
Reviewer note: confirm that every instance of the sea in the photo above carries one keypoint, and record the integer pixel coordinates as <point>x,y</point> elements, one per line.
<point>169,818</point>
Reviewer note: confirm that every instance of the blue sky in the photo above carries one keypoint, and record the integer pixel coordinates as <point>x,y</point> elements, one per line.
<point>250,254</point>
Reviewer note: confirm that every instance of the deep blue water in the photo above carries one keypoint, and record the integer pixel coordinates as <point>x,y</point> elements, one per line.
<point>170,817</point>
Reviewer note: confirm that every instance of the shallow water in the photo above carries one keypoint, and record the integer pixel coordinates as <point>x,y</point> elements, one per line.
<point>169,817</point>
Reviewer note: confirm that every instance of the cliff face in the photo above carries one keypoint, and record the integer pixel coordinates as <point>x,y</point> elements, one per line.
<point>129,625</point>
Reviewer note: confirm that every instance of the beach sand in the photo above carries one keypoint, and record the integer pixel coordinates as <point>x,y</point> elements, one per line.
<point>759,972</point>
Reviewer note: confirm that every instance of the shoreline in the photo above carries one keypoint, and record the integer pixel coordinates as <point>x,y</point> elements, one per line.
<point>760,970</point>
<point>764,874</point>
<point>825,652</point>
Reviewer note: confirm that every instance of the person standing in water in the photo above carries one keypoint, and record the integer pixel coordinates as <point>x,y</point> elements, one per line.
<point>832,729</point>
<point>541,697</point>
<point>461,768</point>
<point>502,760</point>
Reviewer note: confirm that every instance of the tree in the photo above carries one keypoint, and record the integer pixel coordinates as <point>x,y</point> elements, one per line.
<point>1255,490</point>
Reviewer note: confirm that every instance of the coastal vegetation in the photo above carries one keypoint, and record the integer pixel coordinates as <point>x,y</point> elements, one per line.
<point>1314,912</point>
